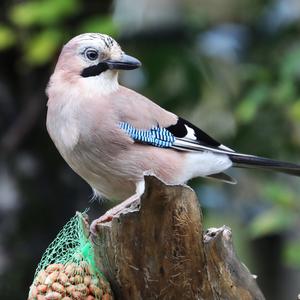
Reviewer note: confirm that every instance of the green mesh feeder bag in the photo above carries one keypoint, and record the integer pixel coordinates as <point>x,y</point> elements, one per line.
<point>67,270</point>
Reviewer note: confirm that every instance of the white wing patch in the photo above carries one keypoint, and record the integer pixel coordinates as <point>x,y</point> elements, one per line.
<point>223,147</point>
<point>190,133</point>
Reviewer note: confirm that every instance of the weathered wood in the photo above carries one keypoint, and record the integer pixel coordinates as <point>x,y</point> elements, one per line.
<point>157,250</point>
<point>229,278</point>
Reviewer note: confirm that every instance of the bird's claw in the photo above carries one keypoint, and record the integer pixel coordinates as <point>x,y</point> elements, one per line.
<point>103,219</point>
<point>114,213</point>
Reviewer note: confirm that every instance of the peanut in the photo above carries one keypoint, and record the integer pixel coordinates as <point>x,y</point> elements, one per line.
<point>51,278</point>
<point>42,288</point>
<point>53,296</point>
<point>57,287</point>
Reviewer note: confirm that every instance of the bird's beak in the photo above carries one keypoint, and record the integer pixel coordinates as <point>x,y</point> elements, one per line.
<point>127,62</point>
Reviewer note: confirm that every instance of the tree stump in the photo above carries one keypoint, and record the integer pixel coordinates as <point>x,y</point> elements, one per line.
<point>157,250</point>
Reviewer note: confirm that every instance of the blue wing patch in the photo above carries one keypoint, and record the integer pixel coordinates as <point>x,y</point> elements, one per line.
<point>156,136</point>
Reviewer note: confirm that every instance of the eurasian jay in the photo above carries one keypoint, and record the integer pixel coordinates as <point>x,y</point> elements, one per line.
<point>112,136</point>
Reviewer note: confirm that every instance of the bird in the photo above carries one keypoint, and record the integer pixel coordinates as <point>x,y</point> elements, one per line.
<point>113,137</point>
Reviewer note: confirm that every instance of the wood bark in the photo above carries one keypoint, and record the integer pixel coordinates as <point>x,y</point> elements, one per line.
<point>157,249</point>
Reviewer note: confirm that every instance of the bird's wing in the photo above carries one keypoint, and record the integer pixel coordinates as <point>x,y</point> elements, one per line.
<point>191,138</point>
<point>182,136</point>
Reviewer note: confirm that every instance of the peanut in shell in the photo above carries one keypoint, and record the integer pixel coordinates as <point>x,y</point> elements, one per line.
<point>77,295</point>
<point>52,277</point>
<point>54,267</point>
<point>62,278</point>
<point>53,296</point>
<point>70,269</point>
<point>41,277</point>
<point>82,288</point>
<point>42,288</point>
<point>70,289</point>
<point>57,287</point>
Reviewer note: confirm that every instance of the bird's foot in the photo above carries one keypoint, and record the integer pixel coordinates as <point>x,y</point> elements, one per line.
<point>115,212</point>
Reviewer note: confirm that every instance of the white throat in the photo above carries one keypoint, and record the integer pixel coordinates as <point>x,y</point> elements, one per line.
<point>103,84</point>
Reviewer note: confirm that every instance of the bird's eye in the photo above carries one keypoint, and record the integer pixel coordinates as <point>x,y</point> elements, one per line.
<point>91,54</point>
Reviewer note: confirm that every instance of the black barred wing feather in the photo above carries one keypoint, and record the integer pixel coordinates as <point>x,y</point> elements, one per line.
<point>155,136</point>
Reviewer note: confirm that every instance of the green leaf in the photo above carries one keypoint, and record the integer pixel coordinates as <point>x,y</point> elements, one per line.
<point>7,37</point>
<point>41,48</point>
<point>280,195</point>
<point>271,221</point>
<point>284,92</point>
<point>291,254</point>
<point>103,24</point>
<point>247,109</point>
<point>255,73</point>
<point>290,64</point>
<point>294,111</point>
<point>45,12</point>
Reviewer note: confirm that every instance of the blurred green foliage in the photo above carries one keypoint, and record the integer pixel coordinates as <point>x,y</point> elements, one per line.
<point>291,254</point>
<point>41,27</point>
<point>42,13</point>
<point>265,83</point>
<point>246,110</point>
<point>253,105</point>
<point>41,48</point>
<point>7,37</point>
<point>104,24</point>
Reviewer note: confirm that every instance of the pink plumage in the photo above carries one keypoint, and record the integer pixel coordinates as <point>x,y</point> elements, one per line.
<point>86,106</point>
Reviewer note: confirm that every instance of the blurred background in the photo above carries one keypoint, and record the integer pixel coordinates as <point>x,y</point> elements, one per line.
<point>231,67</point>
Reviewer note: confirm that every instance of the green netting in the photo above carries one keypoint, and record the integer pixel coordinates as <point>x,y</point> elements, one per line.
<point>70,246</point>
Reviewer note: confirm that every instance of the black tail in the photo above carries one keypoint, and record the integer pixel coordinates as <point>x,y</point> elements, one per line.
<point>251,161</point>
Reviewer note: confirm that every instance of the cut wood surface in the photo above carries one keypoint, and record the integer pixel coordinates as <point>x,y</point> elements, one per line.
<point>157,249</point>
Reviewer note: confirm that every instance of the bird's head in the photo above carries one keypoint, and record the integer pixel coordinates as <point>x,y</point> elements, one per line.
<point>93,59</point>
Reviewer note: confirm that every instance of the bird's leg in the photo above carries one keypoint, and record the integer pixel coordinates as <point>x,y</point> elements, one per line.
<point>118,209</point>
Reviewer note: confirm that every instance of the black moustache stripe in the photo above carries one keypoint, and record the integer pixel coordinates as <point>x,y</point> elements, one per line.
<point>94,70</point>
